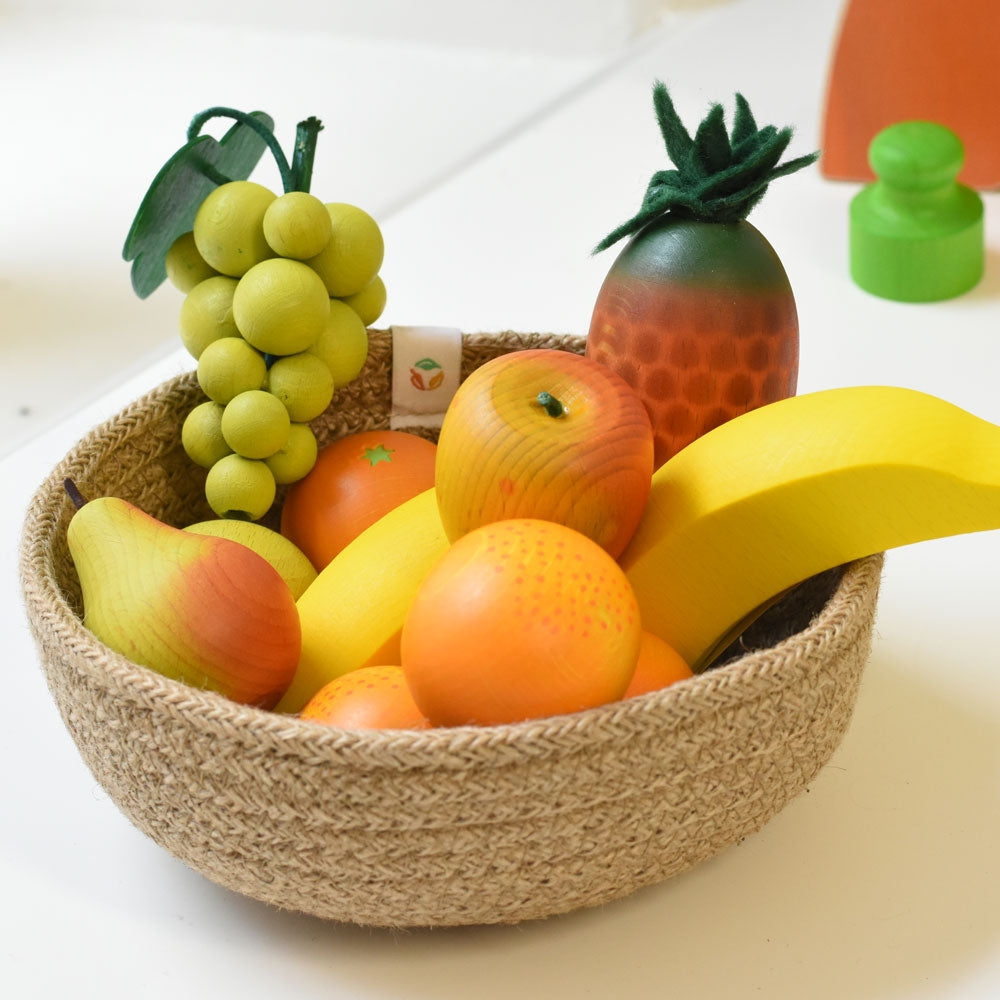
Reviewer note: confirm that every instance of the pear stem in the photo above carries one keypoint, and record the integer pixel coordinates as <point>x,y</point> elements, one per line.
<point>74,494</point>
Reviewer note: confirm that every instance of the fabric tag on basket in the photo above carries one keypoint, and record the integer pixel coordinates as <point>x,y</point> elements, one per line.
<point>426,370</point>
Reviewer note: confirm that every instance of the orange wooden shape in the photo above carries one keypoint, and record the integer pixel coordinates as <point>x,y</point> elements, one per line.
<point>520,619</point>
<point>356,480</point>
<point>587,463</point>
<point>367,698</point>
<point>659,665</point>
<point>906,60</point>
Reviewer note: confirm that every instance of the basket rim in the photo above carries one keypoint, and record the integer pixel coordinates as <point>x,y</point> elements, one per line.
<point>680,704</point>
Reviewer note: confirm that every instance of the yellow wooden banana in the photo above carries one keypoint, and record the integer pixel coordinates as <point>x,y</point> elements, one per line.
<point>353,612</point>
<point>788,490</point>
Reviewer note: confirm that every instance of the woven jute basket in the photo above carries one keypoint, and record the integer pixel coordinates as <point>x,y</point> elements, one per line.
<point>440,827</point>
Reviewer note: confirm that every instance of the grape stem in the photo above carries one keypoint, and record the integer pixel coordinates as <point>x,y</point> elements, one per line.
<point>295,176</point>
<point>306,134</point>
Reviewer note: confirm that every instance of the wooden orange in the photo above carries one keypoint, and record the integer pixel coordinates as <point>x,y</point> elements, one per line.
<point>520,619</point>
<point>368,698</point>
<point>356,480</point>
<point>658,666</point>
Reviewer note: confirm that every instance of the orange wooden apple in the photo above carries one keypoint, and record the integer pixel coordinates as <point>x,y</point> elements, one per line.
<point>545,434</point>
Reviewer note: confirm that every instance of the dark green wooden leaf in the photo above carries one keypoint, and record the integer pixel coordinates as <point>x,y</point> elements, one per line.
<point>171,203</point>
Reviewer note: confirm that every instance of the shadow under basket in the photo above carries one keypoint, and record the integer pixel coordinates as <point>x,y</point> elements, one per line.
<point>440,827</point>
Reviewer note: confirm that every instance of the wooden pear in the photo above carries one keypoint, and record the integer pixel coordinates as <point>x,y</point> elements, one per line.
<point>200,609</point>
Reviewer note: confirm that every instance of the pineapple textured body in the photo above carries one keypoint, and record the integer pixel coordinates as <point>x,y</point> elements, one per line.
<point>699,318</point>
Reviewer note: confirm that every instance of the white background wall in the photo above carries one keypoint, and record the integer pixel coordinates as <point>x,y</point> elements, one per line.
<point>555,25</point>
<point>96,94</point>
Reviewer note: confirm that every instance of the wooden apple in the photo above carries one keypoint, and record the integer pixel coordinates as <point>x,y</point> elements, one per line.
<point>545,434</point>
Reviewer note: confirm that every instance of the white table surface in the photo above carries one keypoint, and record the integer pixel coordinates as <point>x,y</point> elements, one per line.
<point>881,882</point>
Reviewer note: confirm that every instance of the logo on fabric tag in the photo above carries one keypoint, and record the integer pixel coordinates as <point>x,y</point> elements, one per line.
<point>426,374</point>
<point>426,368</point>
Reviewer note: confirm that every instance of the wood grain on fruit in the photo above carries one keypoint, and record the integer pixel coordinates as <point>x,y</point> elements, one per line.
<point>200,609</point>
<point>545,434</point>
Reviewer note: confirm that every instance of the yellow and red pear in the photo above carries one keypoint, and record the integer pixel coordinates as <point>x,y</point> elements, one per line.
<point>200,609</point>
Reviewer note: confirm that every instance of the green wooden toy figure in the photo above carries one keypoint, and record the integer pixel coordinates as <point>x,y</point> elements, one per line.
<point>916,234</point>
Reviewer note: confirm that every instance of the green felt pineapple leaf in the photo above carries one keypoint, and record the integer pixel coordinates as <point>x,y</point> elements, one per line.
<point>744,126</point>
<point>711,153</point>
<point>718,176</point>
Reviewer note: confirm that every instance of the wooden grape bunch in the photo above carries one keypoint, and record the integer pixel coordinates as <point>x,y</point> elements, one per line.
<point>254,305</point>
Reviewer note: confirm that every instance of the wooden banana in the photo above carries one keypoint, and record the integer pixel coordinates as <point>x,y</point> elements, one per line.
<point>796,487</point>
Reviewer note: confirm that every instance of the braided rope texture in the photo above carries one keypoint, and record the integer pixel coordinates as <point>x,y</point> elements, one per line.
<point>442,827</point>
